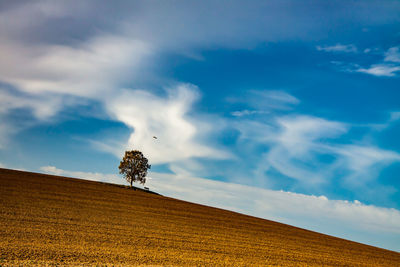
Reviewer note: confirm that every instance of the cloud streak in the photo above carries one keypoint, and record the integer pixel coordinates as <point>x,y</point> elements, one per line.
<point>261,102</point>
<point>339,48</point>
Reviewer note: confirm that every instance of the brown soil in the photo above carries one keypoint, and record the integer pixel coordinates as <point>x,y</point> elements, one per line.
<point>50,220</point>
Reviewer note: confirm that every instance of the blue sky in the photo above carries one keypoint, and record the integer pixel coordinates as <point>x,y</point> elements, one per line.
<point>285,110</point>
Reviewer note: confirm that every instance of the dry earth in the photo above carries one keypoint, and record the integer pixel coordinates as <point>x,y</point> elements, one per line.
<point>50,220</point>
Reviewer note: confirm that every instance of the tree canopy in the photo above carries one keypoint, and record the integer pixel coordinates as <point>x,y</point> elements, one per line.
<point>134,167</point>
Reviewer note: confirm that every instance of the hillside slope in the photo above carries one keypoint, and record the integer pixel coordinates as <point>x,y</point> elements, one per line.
<point>47,219</point>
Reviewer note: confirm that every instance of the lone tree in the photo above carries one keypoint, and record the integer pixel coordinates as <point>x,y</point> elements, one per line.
<point>134,167</point>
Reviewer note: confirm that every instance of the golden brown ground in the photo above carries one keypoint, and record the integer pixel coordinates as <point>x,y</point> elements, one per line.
<point>48,220</point>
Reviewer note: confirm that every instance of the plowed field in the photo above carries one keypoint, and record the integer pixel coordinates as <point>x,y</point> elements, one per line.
<point>50,220</point>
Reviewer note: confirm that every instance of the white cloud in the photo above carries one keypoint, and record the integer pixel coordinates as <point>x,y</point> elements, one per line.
<point>393,55</point>
<point>179,136</point>
<point>380,70</point>
<point>350,48</point>
<point>351,220</point>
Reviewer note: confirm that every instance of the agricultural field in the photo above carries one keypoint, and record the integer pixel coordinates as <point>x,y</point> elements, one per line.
<point>51,220</point>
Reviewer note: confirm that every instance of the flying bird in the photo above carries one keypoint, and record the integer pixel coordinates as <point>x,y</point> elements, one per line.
<point>155,137</point>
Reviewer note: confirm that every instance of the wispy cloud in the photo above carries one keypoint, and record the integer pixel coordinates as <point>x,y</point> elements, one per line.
<point>246,112</point>
<point>263,102</point>
<point>387,70</point>
<point>306,149</point>
<point>41,106</point>
<point>90,69</point>
<point>274,99</point>
<point>351,220</point>
<point>297,144</point>
<point>338,48</point>
<point>6,130</point>
<point>394,116</point>
<point>393,55</point>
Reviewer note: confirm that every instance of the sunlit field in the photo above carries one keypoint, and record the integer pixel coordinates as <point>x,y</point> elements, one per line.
<point>47,220</point>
